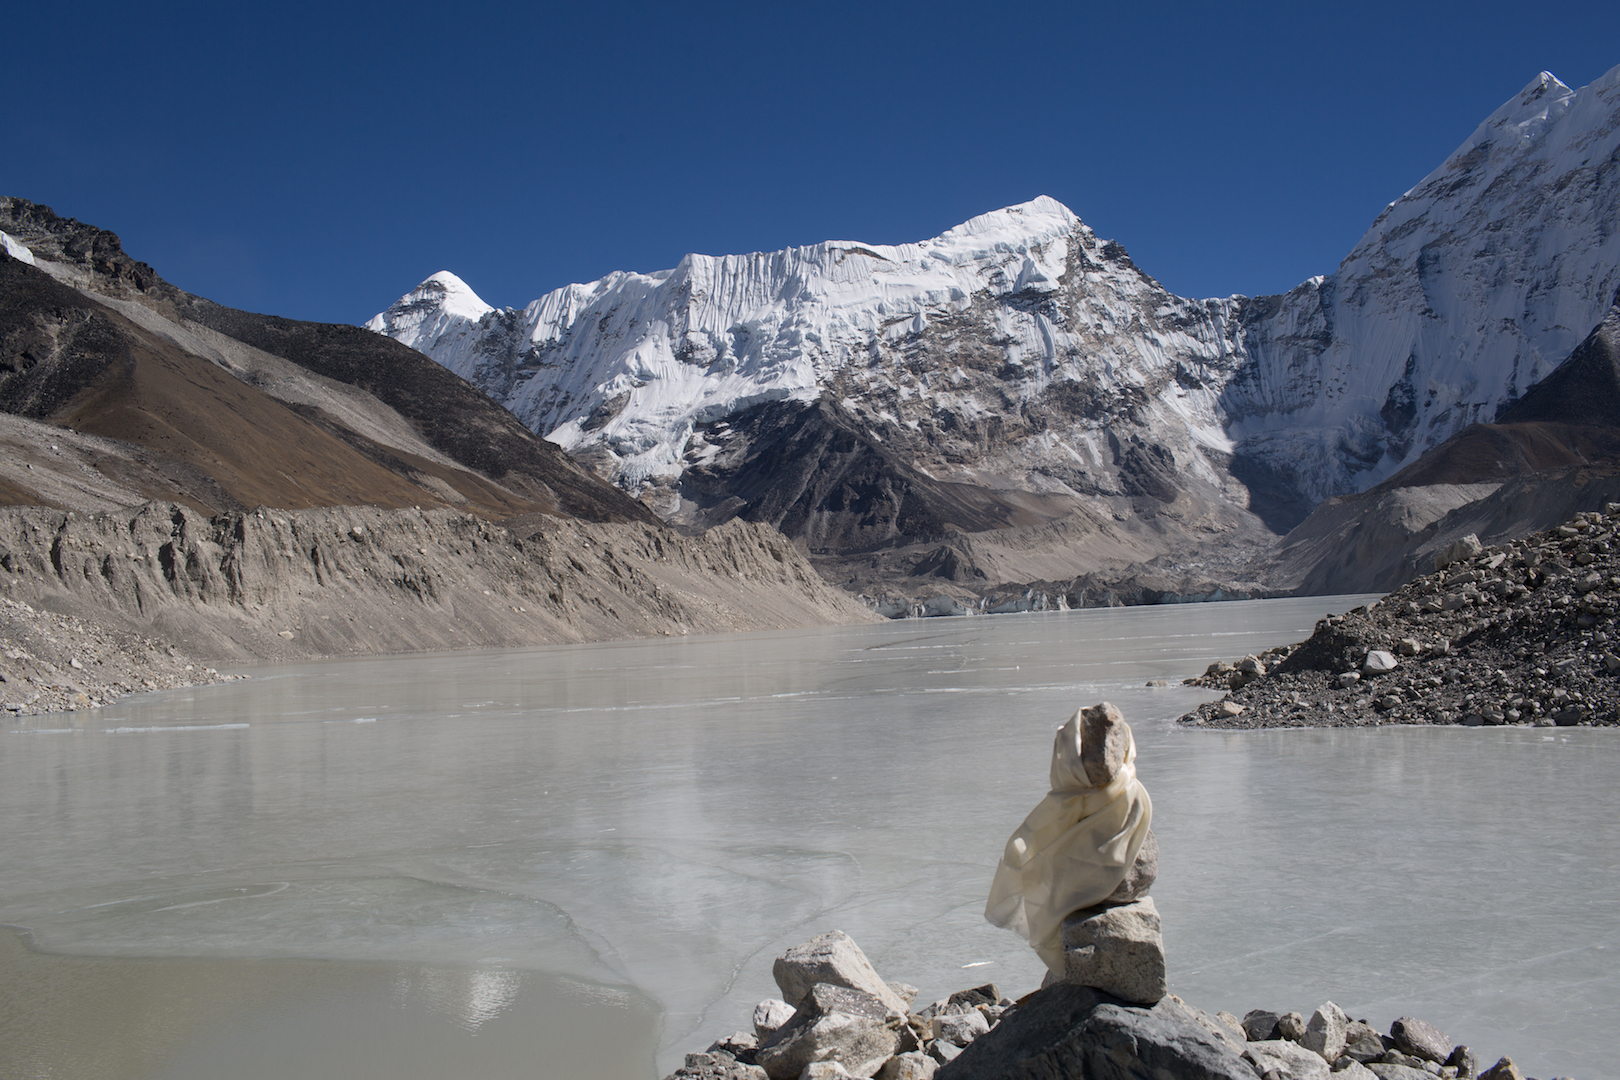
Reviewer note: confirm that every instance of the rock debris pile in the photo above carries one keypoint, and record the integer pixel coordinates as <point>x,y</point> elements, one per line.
<point>837,1018</point>
<point>1522,633</point>
<point>58,663</point>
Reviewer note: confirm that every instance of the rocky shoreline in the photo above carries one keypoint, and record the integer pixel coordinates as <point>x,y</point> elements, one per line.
<point>1520,633</point>
<point>837,1019</point>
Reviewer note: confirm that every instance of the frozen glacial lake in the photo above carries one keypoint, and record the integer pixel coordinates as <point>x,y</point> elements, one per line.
<point>582,860</point>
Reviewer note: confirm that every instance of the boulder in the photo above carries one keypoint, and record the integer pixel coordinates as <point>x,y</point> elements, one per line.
<point>1072,1031</point>
<point>831,958</point>
<point>1327,1032</point>
<point>859,1043</point>
<point>1457,551</point>
<point>1348,1068</point>
<point>1260,1025</point>
<point>1141,875</point>
<point>959,1028</point>
<point>1284,1059</point>
<point>912,1066</point>
<point>1362,1042</point>
<point>1291,1026</point>
<point>824,1070</point>
<point>1504,1069</point>
<point>716,1065</point>
<point>1379,662</point>
<point>1117,949</point>
<point>1413,1036</point>
<point>1386,1070</point>
<point>1462,1059</point>
<point>769,1016</point>
<point>1103,738</point>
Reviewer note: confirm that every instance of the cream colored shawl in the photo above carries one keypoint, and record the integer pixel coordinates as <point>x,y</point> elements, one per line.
<point>1073,849</point>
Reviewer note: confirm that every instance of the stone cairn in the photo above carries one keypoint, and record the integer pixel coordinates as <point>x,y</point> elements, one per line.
<point>1108,1015</point>
<point>838,1018</point>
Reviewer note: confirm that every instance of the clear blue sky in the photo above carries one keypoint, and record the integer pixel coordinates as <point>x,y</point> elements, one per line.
<point>318,160</point>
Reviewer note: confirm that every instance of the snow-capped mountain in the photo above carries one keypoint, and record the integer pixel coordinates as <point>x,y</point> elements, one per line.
<point>1466,290</point>
<point>1020,353</point>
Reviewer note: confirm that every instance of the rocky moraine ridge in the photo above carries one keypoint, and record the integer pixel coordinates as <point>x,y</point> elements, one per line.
<point>1520,633</point>
<point>838,1019</point>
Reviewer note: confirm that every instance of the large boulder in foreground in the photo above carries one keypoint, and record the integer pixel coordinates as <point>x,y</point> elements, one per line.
<point>832,958</point>
<point>1067,1031</point>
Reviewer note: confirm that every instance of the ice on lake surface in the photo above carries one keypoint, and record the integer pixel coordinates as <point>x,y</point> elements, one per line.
<point>514,860</point>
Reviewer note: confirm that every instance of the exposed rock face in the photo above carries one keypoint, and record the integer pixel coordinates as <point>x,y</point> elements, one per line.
<point>276,584</point>
<point>1521,633</point>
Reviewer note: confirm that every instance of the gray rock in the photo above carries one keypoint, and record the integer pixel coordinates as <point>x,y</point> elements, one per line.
<point>967,1000</point>
<point>1286,1060</point>
<point>1348,1068</point>
<point>1413,1036</point>
<point>1260,1024</point>
<point>1223,1025</point>
<point>1379,662</point>
<point>1386,1071</point>
<point>1142,873</point>
<point>909,1066</point>
<point>1070,1031</point>
<point>831,958</point>
<point>1457,551</point>
<point>1362,1042</point>
<point>1504,1069</point>
<point>905,991</point>
<point>859,1043</point>
<point>716,1065</point>
<point>1119,950</point>
<point>959,1028</point>
<point>826,998</point>
<point>1462,1059</point>
<point>769,1016</point>
<point>1327,1032</point>
<point>943,1052</point>
<point>1102,742</point>
<point>824,1070</point>
<point>1291,1026</point>
<point>1228,709</point>
<point>739,1044</point>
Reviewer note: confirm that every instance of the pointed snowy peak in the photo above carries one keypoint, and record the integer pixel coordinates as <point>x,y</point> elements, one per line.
<point>1041,216</point>
<point>439,297</point>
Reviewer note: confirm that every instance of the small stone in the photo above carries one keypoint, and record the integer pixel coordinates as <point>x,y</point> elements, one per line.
<point>1327,1032</point>
<point>1457,551</point>
<point>1291,1026</point>
<point>914,1065</point>
<point>1504,1069</point>
<point>968,1000</point>
<point>1252,665</point>
<point>1347,679</point>
<point>1118,950</point>
<point>958,1028</point>
<point>1379,662</point>
<point>1228,709</point>
<point>1409,647</point>
<point>1421,1040</point>
<point>943,1052</point>
<point>1611,662</point>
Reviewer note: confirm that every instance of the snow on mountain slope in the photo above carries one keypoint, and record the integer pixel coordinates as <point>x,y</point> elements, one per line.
<point>1466,290</point>
<point>925,342</point>
<point>1019,351</point>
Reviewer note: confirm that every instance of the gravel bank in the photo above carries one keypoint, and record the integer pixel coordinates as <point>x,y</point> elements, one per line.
<point>1521,633</point>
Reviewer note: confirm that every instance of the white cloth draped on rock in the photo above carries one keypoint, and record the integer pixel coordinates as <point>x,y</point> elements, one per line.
<point>1073,849</point>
